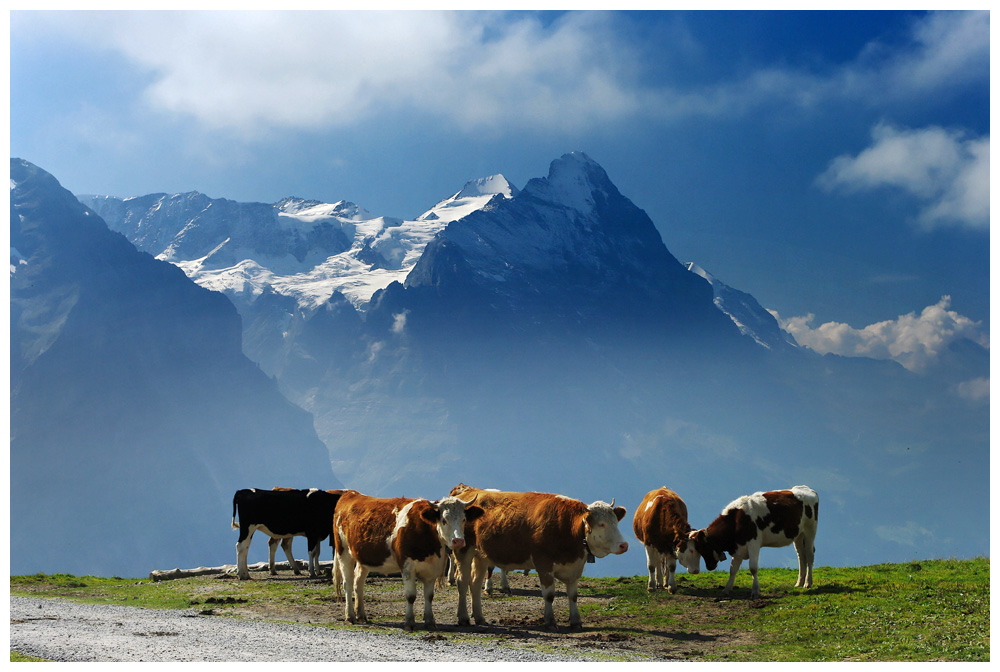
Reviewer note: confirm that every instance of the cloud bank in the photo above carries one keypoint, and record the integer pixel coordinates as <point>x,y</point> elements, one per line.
<point>915,341</point>
<point>947,171</point>
<point>479,71</point>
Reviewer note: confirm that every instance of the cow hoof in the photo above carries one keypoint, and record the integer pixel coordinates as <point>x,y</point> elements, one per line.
<point>481,621</point>
<point>576,627</point>
<point>671,590</point>
<point>552,627</point>
<point>650,589</point>
<point>463,623</point>
<point>408,627</point>
<point>430,626</point>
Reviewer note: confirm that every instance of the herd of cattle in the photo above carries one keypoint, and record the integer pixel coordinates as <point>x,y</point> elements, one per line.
<point>478,530</point>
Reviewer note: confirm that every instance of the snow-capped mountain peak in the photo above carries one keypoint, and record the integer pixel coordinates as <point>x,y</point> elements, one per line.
<point>473,196</point>
<point>573,181</point>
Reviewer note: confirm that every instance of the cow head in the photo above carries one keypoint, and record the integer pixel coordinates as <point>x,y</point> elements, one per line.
<point>449,515</point>
<point>690,551</point>
<point>601,529</point>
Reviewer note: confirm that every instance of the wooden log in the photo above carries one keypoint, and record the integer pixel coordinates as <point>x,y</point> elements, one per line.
<point>170,574</point>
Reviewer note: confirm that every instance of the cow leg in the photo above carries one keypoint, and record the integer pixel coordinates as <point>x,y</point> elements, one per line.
<point>347,568</point>
<point>800,550</point>
<point>549,595</point>
<point>359,592</point>
<point>754,554</point>
<point>315,547</point>
<point>338,576</point>
<point>286,546</point>
<point>242,549</point>
<point>479,566</point>
<point>574,613</point>
<point>453,571</point>
<point>442,579</point>
<point>489,581</point>
<point>653,565</point>
<point>671,565</point>
<point>272,549</point>
<point>806,551</point>
<point>410,593</point>
<point>429,621</point>
<point>463,576</point>
<point>504,585</point>
<point>733,568</point>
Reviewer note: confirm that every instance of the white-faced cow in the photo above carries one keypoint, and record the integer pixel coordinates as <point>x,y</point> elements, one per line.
<point>552,534</point>
<point>747,524</point>
<point>409,536</point>
<point>283,514</point>
<point>660,522</point>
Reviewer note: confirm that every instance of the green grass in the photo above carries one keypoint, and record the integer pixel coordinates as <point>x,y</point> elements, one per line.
<point>934,610</point>
<point>16,657</point>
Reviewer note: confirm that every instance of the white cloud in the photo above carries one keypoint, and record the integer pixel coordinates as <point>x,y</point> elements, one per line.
<point>947,171</point>
<point>311,70</point>
<point>977,389</point>
<point>481,71</point>
<point>912,340</point>
<point>909,534</point>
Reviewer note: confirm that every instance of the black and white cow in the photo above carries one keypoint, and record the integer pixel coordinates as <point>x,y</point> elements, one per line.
<point>771,519</point>
<point>283,514</point>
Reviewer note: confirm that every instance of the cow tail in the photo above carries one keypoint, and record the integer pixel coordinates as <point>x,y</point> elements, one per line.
<point>235,526</point>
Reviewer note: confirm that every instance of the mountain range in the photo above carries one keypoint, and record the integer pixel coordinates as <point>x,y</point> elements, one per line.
<point>135,415</point>
<point>545,338</point>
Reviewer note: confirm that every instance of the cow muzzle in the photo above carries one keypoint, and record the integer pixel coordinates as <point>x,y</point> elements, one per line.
<point>622,547</point>
<point>457,544</point>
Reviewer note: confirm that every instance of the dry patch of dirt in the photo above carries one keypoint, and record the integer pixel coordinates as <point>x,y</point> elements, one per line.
<point>700,627</point>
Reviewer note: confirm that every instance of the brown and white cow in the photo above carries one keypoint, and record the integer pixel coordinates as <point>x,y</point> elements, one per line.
<point>459,489</point>
<point>660,522</point>
<point>771,519</point>
<point>409,536</point>
<point>552,534</point>
<point>283,514</point>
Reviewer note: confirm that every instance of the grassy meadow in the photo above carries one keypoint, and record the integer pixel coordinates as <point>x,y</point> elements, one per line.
<point>934,610</point>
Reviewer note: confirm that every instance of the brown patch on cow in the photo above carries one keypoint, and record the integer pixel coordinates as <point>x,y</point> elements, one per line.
<point>419,539</point>
<point>369,522</point>
<point>661,520</point>
<point>784,513</point>
<point>518,526</point>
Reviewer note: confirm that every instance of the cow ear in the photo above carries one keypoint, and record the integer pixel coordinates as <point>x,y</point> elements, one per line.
<point>431,515</point>
<point>473,512</point>
<point>620,512</point>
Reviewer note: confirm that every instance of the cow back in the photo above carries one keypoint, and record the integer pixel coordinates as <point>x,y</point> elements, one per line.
<point>517,526</point>
<point>661,520</point>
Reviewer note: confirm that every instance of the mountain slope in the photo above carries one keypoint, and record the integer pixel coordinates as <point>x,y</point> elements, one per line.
<point>134,414</point>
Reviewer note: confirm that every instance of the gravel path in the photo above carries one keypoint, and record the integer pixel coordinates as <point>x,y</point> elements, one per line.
<point>68,631</point>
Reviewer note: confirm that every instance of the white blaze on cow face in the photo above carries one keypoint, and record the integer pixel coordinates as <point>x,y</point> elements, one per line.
<point>603,535</point>
<point>688,555</point>
<point>451,526</point>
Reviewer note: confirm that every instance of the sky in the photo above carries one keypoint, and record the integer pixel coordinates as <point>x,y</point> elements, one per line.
<point>835,165</point>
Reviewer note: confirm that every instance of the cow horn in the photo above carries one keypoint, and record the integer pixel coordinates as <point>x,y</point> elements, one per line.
<point>612,502</point>
<point>472,501</point>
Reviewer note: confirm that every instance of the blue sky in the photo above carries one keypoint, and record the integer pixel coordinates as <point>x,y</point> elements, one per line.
<point>832,164</point>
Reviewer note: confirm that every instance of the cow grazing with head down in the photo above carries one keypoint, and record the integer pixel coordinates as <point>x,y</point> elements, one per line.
<point>771,519</point>
<point>552,534</point>
<point>660,522</point>
<point>283,514</point>
<point>410,536</point>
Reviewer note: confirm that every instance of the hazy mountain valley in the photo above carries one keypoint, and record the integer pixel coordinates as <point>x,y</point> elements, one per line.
<point>541,338</point>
